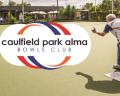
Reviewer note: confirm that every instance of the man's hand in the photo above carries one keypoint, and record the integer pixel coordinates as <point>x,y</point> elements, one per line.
<point>98,33</point>
<point>94,30</point>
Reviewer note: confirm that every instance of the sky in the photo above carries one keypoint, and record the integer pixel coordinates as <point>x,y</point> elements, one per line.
<point>77,3</point>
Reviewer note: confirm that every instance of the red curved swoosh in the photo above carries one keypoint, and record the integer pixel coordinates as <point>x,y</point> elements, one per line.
<point>66,59</point>
<point>24,61</point>
<point>24,28</point>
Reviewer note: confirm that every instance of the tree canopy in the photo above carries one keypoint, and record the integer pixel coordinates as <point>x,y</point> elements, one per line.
<point>1,3</point>
<point>68,12</point>
<point>106,5</point>
<point>13,3</point>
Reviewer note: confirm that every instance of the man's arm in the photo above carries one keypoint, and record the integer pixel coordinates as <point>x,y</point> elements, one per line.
<point>99,33</point>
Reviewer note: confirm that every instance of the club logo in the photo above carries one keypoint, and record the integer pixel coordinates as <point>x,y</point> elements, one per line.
<point>45,45</point>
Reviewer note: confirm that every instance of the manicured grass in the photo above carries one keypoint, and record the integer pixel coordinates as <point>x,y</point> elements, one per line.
<point>2,28</point>
<point>85,79</point>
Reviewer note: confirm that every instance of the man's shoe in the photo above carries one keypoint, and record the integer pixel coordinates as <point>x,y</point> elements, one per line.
<point>116,67</point>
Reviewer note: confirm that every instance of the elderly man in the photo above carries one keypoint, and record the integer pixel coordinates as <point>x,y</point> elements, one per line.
<point>113,26</point>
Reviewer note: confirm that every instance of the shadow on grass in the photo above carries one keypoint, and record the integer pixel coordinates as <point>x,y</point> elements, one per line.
<point>101,86</point>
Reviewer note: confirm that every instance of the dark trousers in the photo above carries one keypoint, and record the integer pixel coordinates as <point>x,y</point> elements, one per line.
<point>118,54</point>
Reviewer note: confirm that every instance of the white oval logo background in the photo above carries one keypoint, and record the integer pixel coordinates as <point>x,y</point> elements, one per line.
<point>47,54</point>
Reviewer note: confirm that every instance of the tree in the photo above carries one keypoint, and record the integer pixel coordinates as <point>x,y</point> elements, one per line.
<point>117,5</point>
<point>1,3</point>
<point>25,4</point>
<point>12,3</point>
<point>67,12</point>
<point>88,6</point>
<point>73,10</point>
<point>103,9</point>
<point>106,5</point>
